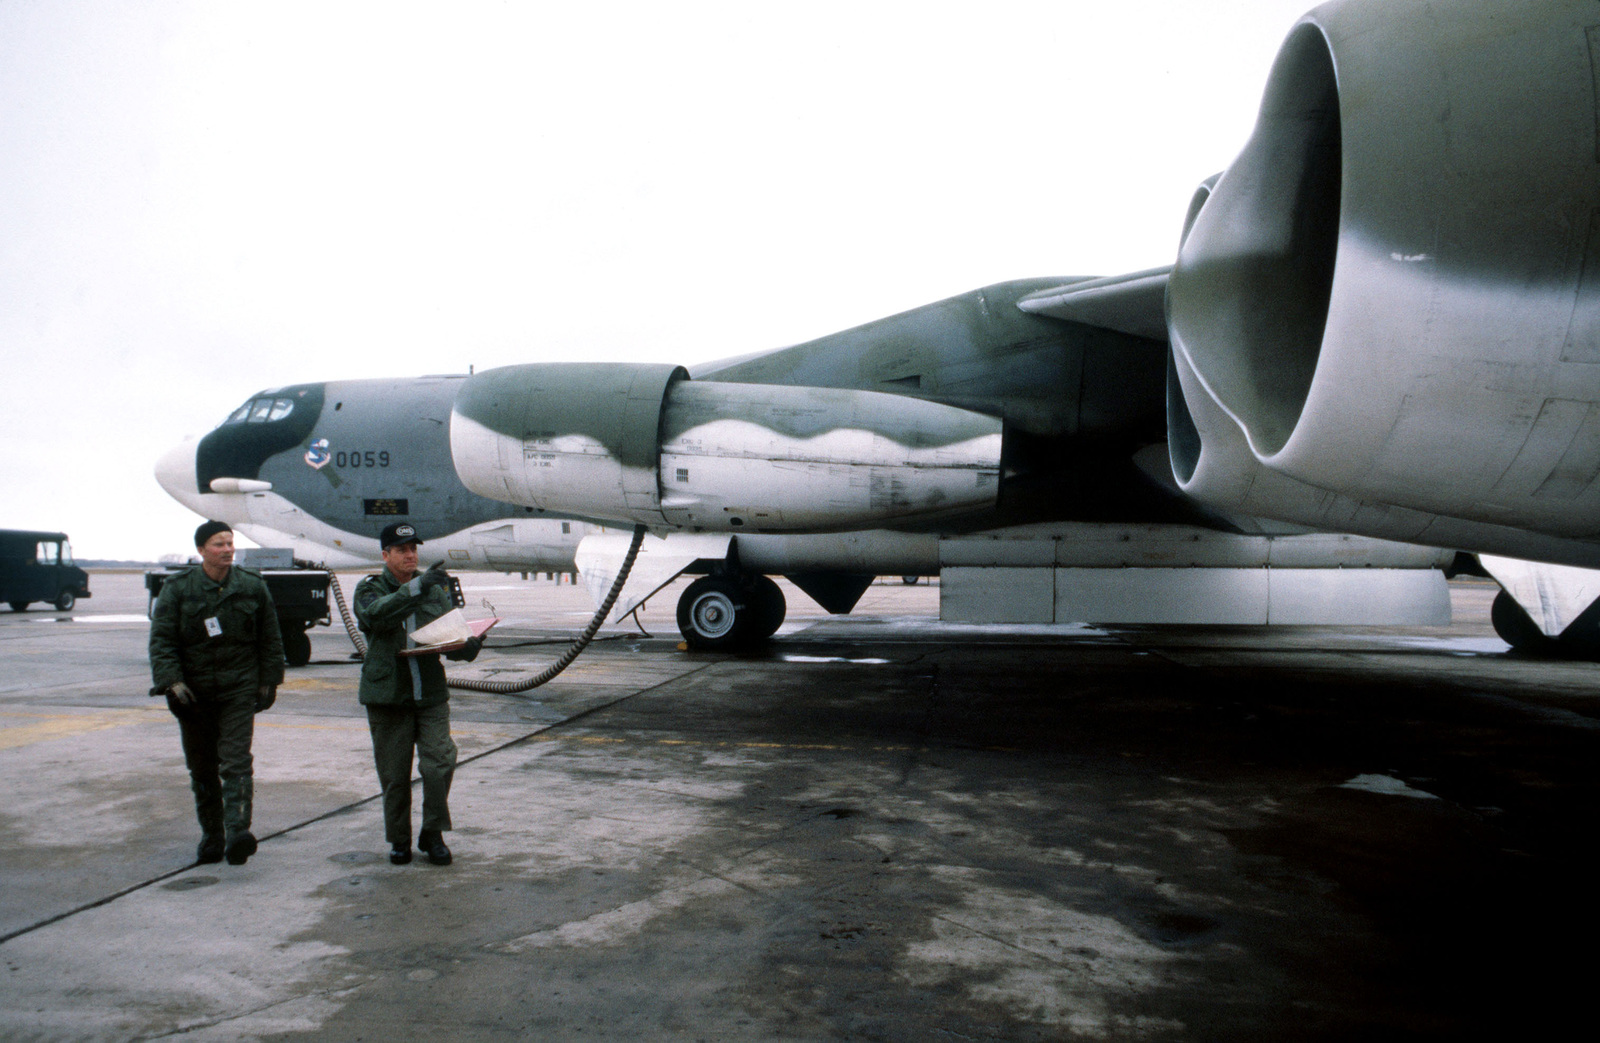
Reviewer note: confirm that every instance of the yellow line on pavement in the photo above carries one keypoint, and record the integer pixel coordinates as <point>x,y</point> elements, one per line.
<point>48,726</point>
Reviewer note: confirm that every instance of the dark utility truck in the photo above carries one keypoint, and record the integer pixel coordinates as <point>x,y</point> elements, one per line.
<point>37,566</point>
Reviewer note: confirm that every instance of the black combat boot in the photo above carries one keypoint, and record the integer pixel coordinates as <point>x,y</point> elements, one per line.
<point>430,843</point>
<point>236,797</point>
<point>208,809</point>
<point>210,849</point>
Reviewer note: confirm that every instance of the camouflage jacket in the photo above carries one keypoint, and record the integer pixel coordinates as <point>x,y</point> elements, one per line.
<point>218,638</point>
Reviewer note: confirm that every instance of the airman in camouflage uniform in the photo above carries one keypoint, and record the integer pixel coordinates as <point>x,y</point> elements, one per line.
<point>216,653</point>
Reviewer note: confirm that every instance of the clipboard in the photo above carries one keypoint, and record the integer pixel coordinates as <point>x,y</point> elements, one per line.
<point>479,628</point>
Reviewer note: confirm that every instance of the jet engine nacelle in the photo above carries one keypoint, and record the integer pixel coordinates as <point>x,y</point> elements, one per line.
<point>1385,315</point>
<point>643,443</point>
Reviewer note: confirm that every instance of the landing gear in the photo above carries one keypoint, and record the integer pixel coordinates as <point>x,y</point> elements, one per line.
<point>724,613</point>
<point>1517,629</point>
<point>1581,639</point>
<point>770,608</point>
<point>296,643</point>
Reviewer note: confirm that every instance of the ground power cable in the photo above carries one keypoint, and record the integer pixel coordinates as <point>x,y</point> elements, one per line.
<point>549,672</point>
<point>344,614</point>
<point>517,687</point>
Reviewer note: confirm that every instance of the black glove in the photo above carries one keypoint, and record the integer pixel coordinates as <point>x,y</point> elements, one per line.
<point>436,576</point>
<point>266,695</point>
<point>467,652</point>
<point>181,699</point>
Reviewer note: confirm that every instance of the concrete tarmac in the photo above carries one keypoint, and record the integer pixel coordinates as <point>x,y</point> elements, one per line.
<point>878,828</point>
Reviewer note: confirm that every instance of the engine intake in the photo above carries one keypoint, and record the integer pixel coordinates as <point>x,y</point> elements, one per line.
<point>1385,314</point>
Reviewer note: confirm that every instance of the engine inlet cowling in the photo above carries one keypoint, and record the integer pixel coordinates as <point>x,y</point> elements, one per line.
<point>1385,314</point>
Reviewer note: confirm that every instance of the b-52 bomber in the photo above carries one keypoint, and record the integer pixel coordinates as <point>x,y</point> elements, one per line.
<point>1381,322</point>
<point>1017,456</point>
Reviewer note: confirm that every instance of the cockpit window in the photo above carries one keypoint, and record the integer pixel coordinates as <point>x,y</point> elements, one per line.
<point>261,411</point>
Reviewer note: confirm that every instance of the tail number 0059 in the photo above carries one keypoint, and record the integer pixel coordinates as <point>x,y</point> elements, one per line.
<point>361,458</point>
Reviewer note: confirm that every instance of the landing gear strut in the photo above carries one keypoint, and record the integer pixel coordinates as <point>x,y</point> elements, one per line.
<point>722,613</point>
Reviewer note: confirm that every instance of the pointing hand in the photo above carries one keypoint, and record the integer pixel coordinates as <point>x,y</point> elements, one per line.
<point>436,576</point>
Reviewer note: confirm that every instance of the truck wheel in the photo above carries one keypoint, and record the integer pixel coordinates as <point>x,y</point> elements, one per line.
<point>296,645</point>
<point>19,606</point>
<point>712,614</point>
<point>65,600</point>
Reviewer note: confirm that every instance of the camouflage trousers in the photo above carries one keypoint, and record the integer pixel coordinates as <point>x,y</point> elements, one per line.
<point>396,731</point>
<point>217,732</point>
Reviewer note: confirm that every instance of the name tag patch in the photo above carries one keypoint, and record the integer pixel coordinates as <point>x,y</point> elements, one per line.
<point>214,627</point>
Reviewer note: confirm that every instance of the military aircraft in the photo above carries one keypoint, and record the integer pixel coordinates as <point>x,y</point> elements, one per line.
<point>1381,321</point>
<point>1018,457</point>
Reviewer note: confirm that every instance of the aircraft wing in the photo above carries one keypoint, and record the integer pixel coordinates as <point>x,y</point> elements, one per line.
<point>1134,304</point>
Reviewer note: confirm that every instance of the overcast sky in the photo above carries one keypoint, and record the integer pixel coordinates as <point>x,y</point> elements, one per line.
<point>199,200</point>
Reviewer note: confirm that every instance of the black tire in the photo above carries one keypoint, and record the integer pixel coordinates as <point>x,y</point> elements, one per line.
<point>19,606</point>
<point>296,644</point>
<point>769,608</point>
<point>713,614</point>
<point>1517,629</point>
<point>910,581</point>
<point>1581,639</point>
<point>65,600</point>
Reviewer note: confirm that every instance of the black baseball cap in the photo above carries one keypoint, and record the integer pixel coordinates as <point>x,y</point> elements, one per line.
<point>396,534</point>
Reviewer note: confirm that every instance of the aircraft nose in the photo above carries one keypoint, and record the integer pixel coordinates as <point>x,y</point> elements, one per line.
<point>175,471</point>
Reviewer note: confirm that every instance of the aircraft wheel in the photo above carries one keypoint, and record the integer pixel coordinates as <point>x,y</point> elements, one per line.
<point>769,608</point>
<point>1517,629</point>
<point>1581,639</point>
<point>713,614</point>
<point>296,645</point>
<point>910,581</point>
<point>65,600</point>
<point>19,606</point>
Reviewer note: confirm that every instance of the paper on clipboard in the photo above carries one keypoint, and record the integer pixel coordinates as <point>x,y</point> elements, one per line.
<point>457,635</point>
